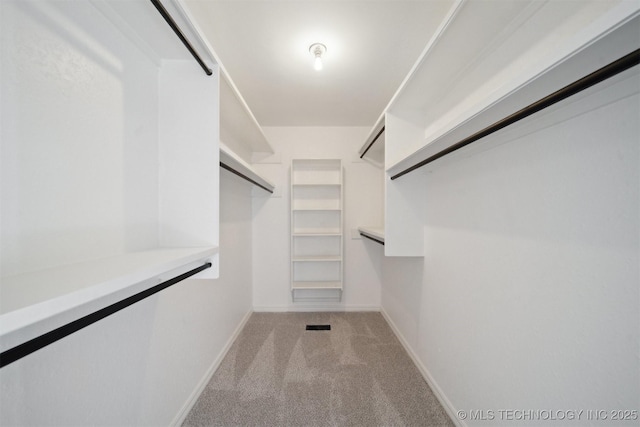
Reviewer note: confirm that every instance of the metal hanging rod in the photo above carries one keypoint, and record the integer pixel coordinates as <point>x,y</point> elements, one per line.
<point>26,348</point>
<point>243,176</point>
<point>630,60</point>
<point>372,238</point>
<point>372,142</point>
<point>169,19</point>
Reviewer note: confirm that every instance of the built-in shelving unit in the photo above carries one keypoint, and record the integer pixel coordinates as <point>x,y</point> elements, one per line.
<point>109,181</point>
<point>242,141</point>
<point>461,85</point>
<point>316,229</point>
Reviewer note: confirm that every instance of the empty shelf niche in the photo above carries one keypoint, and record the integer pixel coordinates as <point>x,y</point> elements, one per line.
<point>316,229</point>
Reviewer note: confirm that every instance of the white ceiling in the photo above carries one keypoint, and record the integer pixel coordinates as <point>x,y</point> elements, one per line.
<point>371,46</point>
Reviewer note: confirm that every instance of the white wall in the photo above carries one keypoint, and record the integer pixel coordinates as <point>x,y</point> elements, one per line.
<point>79,138</point>
<point>528,295</point>
<point>271,232</point>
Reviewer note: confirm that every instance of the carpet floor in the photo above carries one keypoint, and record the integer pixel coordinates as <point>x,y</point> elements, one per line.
<point>279,374</point>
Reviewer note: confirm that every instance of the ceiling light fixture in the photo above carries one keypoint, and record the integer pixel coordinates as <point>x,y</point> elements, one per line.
<point>317,50</point>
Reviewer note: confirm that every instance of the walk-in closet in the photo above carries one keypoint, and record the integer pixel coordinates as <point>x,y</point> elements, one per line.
<point>320,213</point>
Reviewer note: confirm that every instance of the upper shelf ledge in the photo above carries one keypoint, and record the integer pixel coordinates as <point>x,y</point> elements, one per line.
<point>239,128</point>
<point>373,148</point>
<point>140,22</point>
<point>37,302</point>
<point>234,163</point>
<point>537,69</point>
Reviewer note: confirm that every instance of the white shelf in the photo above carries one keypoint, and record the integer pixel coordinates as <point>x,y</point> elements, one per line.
<point>512,76</point>
<point>373,148</point>
<point>320,232</point>
<point>153,39</point>
<point>317,258</point>
<point>376,233</point>
<point>158,180</point>
<point>37,302</point>
<point>239,128</point>
<point>316,198</point>
<point>312,234</point>
<point>234,161</point>
<point>317,210</point>
<point>518,53</point>
<point>318,185</point>
<point>316,285</point>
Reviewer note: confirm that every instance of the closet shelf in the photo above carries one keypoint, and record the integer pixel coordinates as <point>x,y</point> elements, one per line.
<point>316,209</point>
<point>317,234</point>
<point>239,128</point>
<point>235,164</point>
<point>316,198</point>
<point>37,302</point>
<point>373,233</point>
<point>530,50</point>
<point>320,184</point>
<point>607,38</point>
<point>317,258</point>
<point>316,285</point>
<point>374,145</point>
<point>157,40</point>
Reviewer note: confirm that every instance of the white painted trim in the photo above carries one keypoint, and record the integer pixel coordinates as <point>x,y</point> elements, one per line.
<point>315,307</point>
<point>437,391</point>
<point>193,398</point>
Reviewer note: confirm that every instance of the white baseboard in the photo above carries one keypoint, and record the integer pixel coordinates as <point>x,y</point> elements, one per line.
<point>437,391</point>
<point>314,307</point>
<point>184,411</point>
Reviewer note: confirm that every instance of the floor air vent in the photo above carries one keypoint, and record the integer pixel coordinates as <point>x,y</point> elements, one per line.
<point>318,327</point>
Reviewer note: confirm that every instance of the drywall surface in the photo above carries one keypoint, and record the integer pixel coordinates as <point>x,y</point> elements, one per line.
<point>142,365</point>
<point>79,138</point>
<point>528,297</point>
<point>271,228</point>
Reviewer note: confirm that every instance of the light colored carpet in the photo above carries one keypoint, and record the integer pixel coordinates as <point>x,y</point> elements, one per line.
<point>278,374</point>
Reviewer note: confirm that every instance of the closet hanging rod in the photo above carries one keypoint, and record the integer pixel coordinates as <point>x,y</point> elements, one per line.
<point>630,60</point>
<point>372,238</point>
<point>169,19</point>
<point>243,176</point>
<point>26,348</point>
<point>372,142</point>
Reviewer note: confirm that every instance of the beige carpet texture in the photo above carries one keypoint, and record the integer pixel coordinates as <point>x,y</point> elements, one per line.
<point>277,373</point>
